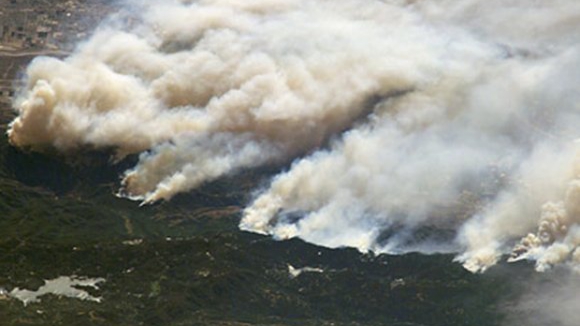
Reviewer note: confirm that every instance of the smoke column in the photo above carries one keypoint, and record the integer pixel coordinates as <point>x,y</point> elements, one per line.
<point>431,125</point>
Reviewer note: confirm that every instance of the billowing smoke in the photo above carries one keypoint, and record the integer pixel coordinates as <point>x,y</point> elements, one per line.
<point>431,125</point>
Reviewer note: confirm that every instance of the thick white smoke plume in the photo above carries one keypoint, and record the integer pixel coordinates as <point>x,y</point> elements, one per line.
<point>452,124</point>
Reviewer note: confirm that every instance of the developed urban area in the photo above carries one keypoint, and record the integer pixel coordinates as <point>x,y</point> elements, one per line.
<point>29,28</point>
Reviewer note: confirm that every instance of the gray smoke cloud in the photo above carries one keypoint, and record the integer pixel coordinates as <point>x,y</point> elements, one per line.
<point>452,125</point>
<point>546,302</point>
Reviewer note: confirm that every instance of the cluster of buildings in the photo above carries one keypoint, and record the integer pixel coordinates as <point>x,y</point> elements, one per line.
<point>38,26</point>
<point>48,24</point>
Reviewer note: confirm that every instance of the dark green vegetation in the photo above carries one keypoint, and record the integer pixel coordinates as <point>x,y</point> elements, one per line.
<point>185,262</point>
